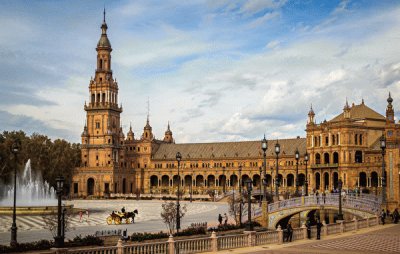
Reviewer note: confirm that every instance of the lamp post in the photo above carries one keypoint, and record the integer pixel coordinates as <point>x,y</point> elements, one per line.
<point>249,184</point>
<point>240,195</point>
<point>340,214</point>
<point>15,149</point>
<point>306,181</point>
<point>224,176</point>
<point>261,183</point>
<point>191,187</point>
<point>264,147</point>
<point>178,216</point>
<point>297,157</point>
<point>383,147</point>
<point>59,239</point>
<point>277,151</point>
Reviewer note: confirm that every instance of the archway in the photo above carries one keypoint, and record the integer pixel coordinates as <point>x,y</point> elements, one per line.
<point>302,179</point>
<point>175,180</point>
<point>90,186</point>
<point>188,180</point>
<point>199,180</point>
<point>165,181</point>
<point>374,179</point>
<point>290,180</point>
<point>363,179</point>
<point>335,157</point>
<point>211,181</point>
<point>123,186</point>
<point>280,180</point>
<point>335,180</point>
<point>244,179</point>
<point>233,180</point>
<point>257,180</point>
<point>153,181</point>
<point>222,181</point>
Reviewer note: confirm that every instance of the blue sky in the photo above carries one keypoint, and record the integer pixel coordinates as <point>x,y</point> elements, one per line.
<point>218,70</point>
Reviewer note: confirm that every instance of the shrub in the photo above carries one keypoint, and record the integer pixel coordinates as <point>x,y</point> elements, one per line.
<point>192,231</point>
<point>84,241</point>
<point>139,237</point>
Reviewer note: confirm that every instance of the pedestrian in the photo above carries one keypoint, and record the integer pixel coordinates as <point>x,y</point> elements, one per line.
<point>383,216</point>
<point>396,216</point>
<point>317,195</point>
<point>289,232</point>
<point>308,226</point>
<point>226,219</point>
<point>80,216</point>
<point>319,226</point>
<point>220,219</point>
<point>87,215</point>
<point>324,196</point>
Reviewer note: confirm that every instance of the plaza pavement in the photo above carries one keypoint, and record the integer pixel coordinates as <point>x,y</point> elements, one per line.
<point>30,228</point>
<point>380,239</point>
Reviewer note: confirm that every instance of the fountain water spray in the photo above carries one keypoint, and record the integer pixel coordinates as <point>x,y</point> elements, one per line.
<point>31,190</point>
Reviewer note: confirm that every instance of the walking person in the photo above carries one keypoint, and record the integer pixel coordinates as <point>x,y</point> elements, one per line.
<point>319,226</point>
<point>220,219</point>
<point>308,226</point>
<point>226,219</point>
<point>289,232</point>
<point>317,195</point>
<point>383,216</point>
<point>395,216</point>
<point>324,196</point>
<point>80,216</point>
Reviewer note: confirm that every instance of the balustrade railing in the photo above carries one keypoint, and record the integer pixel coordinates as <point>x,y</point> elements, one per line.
<point>95,250</point>
<point>232,241</point>
<point>147,248</point>
<point>193,245</point>
<point>298,234</point>
<point>349,226</point>
<point>363,223</point>
<point>266,237</point>
<point>333,229</point>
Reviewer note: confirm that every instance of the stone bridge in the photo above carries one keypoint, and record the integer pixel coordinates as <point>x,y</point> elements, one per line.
<point>365,206</point>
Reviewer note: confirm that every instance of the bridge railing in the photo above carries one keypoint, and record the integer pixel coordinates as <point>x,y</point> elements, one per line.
<point>288,203</point>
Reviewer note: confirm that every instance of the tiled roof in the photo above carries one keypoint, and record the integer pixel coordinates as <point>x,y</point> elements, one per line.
<point>360,112</point>
<point>228,150</point>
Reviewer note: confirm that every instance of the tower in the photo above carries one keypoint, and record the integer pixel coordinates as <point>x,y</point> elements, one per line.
<point>168,135</point>
<point>389,110</point>
<point>311,116</point>
<point>102,138</point>
<point>346,110</point>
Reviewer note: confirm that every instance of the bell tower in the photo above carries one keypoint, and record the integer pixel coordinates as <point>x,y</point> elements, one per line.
<point>102,143</point>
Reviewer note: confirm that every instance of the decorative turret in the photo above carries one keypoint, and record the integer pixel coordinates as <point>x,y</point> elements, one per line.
<point>147,131</point>
<point>346,110</point>
<point>389,110</point>
<point>168,135</point>
<point>130,135</point>
<point>85,131</point>
<point>311,116</point>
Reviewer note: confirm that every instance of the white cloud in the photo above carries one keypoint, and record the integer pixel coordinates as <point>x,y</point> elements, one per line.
<point>261,20</point>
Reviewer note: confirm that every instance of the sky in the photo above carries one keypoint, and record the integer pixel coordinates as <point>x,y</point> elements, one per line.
<point>217,70</point>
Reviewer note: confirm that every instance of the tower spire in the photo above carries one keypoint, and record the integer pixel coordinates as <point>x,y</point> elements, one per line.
<point>104,15</point>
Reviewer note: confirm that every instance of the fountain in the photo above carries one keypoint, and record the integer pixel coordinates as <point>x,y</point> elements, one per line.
<point>33,195</point>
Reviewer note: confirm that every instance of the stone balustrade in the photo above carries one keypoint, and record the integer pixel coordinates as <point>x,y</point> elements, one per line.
<point>216,243</point>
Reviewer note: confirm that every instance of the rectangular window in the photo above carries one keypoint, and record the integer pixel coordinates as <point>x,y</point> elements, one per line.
<point>75,188</point>
<point>106,188</point>
<point>97,125</point>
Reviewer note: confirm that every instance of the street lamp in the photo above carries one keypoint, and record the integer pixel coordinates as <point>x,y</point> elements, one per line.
<point>383,147</point>
<point>306,181</point>
<point>264,147</point>
<point>249,184</point>
<point>277,151</point>
<point>178,217</point>
<point>261,183</point>
<point>297,157</point>
<point>340,214</point>
<point>15,149</point>
<point>59,239</point>
<point>240,195</point>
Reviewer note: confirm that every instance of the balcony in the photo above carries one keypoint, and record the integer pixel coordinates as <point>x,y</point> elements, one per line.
<point>327,165</point>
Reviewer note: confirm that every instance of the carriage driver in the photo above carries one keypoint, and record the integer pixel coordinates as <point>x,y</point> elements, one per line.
<point>123,209</point>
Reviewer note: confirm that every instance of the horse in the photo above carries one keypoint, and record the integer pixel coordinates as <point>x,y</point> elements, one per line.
<point>131,215</point>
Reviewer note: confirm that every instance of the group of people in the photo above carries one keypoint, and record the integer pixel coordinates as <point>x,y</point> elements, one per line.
<point>288,232</point>
<point>395,216</point>
<point>81,215</point>
<point>220,219</point>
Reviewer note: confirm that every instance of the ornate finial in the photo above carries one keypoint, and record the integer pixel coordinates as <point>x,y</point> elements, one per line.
<point>362,101</point>
<point>104,14</point>
<point>390,100</point>
<point>130,126</point>
<point>168,129</point>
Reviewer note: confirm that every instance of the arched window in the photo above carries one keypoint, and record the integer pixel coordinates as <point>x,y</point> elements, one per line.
<point>104,97</point>
<point>360,139</point>
<point>335,157</point>
<point>101,64</point>
<point>98,97</point>
<point>358,157</point>
<point>317,158</point>
<point>326,158</point>
<point>333,139</point>
<point>374,179</point>
<point>317,181</point>
<point>356,139</point>
<point>93,98</point>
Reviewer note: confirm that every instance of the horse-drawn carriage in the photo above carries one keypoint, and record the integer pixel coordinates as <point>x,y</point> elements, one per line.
<point>117,217</point>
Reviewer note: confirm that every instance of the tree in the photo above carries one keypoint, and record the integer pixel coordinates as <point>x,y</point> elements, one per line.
<point>234,206</point>
<point>51,221</point>
<point>168,215</point>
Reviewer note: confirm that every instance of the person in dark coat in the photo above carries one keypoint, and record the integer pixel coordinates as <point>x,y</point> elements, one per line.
<point>383,216</point>
<point>220,219</point>
<point>396,216</point>
<point>289,232</point>
<point>319,226</point>
<point>308,226</point>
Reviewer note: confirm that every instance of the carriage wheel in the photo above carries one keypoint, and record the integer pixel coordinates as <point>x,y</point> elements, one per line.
<point>117,220</point>
<point>128,220</point>
<point>109,220</point>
